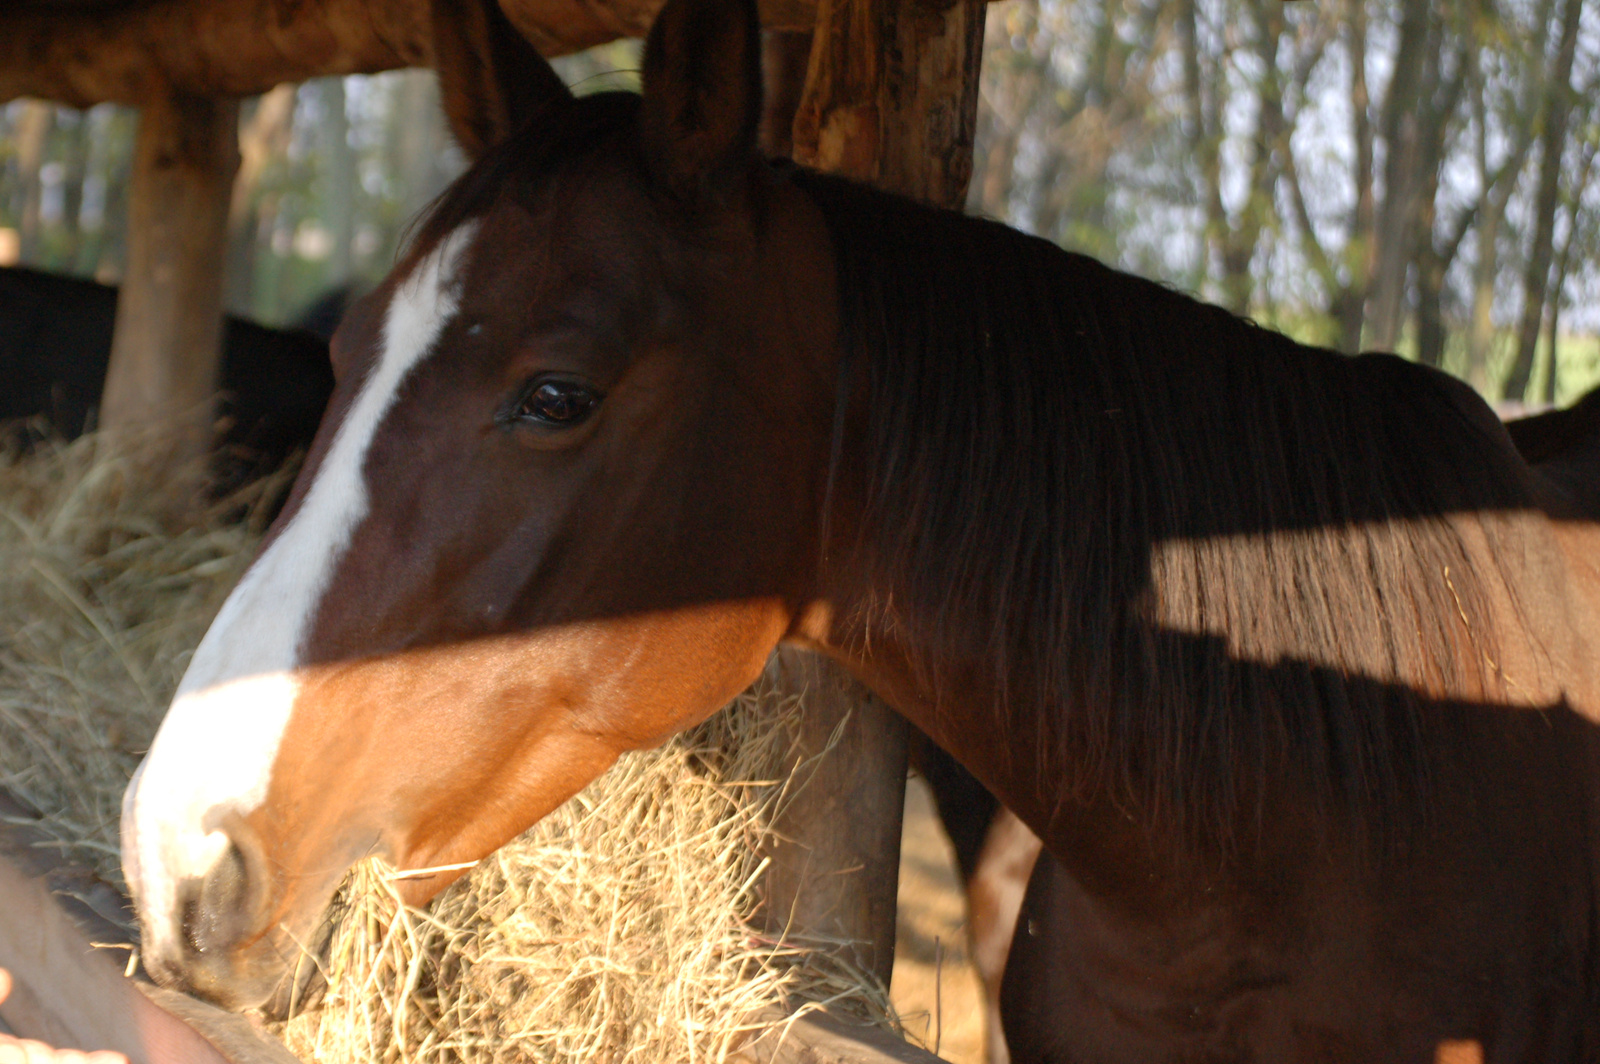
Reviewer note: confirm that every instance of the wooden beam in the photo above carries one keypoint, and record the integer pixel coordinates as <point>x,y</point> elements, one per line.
<point>890,97</point>
<point>164,350</point>
<point>132,52</point>
<point>128,52</point>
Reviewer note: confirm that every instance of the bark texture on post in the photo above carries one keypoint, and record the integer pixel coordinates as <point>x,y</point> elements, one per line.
<point>891,95</point>
<point>164,351</point>
<point>891,98</point>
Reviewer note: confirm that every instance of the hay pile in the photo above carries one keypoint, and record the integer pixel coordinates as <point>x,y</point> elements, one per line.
<point>614,931</point>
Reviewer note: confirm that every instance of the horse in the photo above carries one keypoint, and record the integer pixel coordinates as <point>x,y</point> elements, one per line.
<point>1286,657</point>
<point>1565,446</point>
<point>55,346</point>
<point>995,852</point>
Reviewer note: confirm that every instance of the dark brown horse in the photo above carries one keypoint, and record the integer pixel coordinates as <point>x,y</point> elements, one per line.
<point>1564,445</point>
<point>1280,653</point>
<point>995,852</point>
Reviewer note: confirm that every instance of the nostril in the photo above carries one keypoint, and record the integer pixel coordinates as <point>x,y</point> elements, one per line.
<point>212,915</point>
<point>227,907</point>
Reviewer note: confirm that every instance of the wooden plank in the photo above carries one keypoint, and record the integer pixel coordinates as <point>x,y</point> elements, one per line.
<point>70,993</point>
<point>166,344</point>
<point>822,1038</point>
<point>83,54</point>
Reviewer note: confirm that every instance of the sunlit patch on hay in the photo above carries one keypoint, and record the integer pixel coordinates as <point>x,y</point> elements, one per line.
<point>623,928</point>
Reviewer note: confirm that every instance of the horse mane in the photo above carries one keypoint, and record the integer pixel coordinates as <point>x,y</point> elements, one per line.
<point>1202,556</point>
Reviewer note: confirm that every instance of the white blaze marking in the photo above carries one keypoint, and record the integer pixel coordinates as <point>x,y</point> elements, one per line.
<point>215,749</point>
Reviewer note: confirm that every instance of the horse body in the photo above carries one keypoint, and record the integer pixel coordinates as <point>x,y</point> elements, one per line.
<point>55,345</point>
<point>1308,935</point>
<point>1565,446</point>
<point>1278,652</point>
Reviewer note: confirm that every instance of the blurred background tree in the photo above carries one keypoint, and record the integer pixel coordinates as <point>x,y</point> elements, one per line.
<point>1396,174</point>
<point>1403,175</point>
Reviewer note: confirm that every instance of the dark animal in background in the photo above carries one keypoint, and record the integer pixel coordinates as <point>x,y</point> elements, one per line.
<point>322,315</point>
<point>55,343</point>
<point>1565,446</point>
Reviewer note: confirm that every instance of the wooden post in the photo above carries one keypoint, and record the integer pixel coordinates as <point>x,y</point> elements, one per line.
<point>890,97</point>
<point>164,350</point>
<point>785,55</point>
<point>836,868</point>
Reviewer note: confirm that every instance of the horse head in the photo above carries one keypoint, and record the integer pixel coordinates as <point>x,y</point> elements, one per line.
<point>563,504</point>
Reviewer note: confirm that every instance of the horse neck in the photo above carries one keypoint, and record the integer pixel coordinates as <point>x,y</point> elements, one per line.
<point>1070,511</point>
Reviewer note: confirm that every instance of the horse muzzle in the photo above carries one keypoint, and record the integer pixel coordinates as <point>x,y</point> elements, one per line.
<point>229,939</point>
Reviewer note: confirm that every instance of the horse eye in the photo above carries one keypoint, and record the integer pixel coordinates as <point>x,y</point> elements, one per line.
<point>556,403</point>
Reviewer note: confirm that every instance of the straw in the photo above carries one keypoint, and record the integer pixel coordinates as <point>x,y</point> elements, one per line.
<point>622,928</point>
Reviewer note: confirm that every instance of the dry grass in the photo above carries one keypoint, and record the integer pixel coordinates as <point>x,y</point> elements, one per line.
<point>102,599</point>
<point>619,929</point>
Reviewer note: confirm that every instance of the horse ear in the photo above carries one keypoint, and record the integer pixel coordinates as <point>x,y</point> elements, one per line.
<point>702,93</point>
<point>492,79</point>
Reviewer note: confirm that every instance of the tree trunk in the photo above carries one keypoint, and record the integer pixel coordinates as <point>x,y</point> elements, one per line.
<point>1558,283</point>
<point>62,252</point>
<point>1553,360</point>
<point>33,136</point>
<point>890,97</point>
<point>1240,240</point>
<point>263,138</point>
<point>107,259</point>
<point>1430,270</point>
<point>419,147</point>
<point>1415,58</point>
<point>1558,100</point>
<point>1498,186</point>
<point>338,166</point>
<point>990,195</point>
<point>1203,108</point>
<point>1350,305</point>
<point>1428,262</point>
<point>1480,325</point>
<point>164,350</point>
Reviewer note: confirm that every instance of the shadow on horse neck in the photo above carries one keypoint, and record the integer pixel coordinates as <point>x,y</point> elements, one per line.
<point>1171,552</point>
